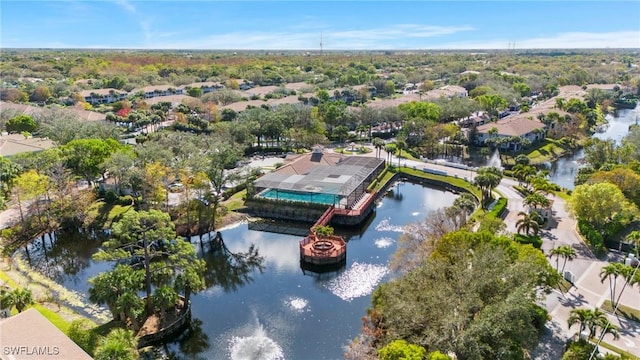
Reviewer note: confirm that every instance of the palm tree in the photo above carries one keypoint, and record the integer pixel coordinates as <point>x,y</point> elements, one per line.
<point>21,298</point>
<point>634,238</point>
<point>487,179</point>
<point>611,272</point>
<point>378,144</point>
<point>536,201</point>
<point>606,327</point>
<point>401,145</point>
<point>164,298</point>
<point>566,252</point>
<point>588,320</point>
<point>523,172</point>
<point>390,149</point>
<point>120,344</point>
<point>529,222</point>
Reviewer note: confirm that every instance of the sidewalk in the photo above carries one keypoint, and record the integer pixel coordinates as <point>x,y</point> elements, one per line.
<point>590,292</point>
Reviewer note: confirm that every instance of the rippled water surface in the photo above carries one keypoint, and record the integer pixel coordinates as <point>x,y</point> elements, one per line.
<point>283,312</point>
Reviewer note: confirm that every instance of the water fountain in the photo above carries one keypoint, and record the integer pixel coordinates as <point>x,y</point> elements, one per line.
<point>495,160</point>
<point>256,345</point>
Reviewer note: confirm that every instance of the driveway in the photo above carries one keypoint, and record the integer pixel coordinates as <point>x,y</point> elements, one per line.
<point>588,291</point>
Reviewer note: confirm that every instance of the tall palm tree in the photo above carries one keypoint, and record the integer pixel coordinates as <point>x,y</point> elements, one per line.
<point>530,222</point>
<point>401,145</point>
<point>588,320</point>
<point>612,272</point>
<point>487,179</point>
<point>378,144</point>
<point>566,252</point>
<point>390,149</point>
<point>606,327</point>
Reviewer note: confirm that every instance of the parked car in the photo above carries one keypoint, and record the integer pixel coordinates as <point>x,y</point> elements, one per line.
<point>176,187</point>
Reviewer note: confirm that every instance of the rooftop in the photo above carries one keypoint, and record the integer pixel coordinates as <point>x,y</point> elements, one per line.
<point>321,173</point>
<point>515,125</point>
<point>30,336</point>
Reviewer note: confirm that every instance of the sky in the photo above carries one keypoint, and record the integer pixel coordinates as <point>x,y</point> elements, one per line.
<point>303,25</point>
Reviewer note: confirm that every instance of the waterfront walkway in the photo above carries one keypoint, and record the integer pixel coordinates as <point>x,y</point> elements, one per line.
<point>588,291</point>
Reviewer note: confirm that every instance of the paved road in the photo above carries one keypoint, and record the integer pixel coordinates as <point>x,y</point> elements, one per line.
<point>588,291</point>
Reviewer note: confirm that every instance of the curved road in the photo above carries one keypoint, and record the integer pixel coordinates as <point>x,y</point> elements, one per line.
<point>588,291</point>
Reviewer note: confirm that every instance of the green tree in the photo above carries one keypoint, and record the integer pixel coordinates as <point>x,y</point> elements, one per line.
<point>379,145</point>
<point>566,252</point>
<point>437,355</point>
<point>487,179</point>
<point>601,205</point>
<point>119,344</point>
<point>536,201</point>
<point>86,157</point>
<point>492,103</point>
<point>149,238</point>
<point>21,123</point>
<point>591,320</point>
<point>611,272</point>
<point>426,307</point>
<point>21,298</point>
<point>108,288</point>
<point>529,222</point>
<point>81,332</point>
<point>401,350</point>
<point>163,299</point>
<point>195,92</point>
<point>421,110</point>
<point>221,155</point>
<point>30,185</point>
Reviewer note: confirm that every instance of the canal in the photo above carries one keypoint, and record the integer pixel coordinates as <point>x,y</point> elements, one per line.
<point>270,309</point>
<point>563,171</point>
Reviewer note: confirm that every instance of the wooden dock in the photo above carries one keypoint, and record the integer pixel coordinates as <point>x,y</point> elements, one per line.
<point>323,250</point>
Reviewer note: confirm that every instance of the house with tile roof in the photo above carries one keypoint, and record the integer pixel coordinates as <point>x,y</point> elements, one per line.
<point>522,126</point>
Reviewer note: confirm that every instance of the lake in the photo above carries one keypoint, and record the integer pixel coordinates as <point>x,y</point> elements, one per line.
<point>282,312</point>
<point>563,171</point>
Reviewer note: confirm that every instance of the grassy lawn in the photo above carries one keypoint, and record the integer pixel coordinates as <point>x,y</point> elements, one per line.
<point>357,150</point>
<point>615,349</point>
<point>564,285</point>
<point>624,311</point>
<point>236,201</point>
<point>106,214</point>
<point>53,317</point>
<point>563,195</point>
<point>408,156</point>
<point>549,150</point>
<point>381,181</point>
<point>6,279</point>
<point>461,183</point>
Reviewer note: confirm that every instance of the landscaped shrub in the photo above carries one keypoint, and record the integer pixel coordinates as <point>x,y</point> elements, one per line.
<point>594,238</point>
<point>536,241</point>
<point>110,197</point>
<point>499,208</point>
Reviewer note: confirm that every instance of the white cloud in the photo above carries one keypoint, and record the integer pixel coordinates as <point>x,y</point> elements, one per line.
<point>126,5</point>
<point>376,38</point>
<point>569,40</point>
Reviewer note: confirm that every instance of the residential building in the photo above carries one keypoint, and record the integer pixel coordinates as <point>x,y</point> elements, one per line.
<point>522,126</point>
<point>103,96</point>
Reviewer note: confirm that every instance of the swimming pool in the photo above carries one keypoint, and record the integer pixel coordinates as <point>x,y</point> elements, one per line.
<point>317,198</point>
